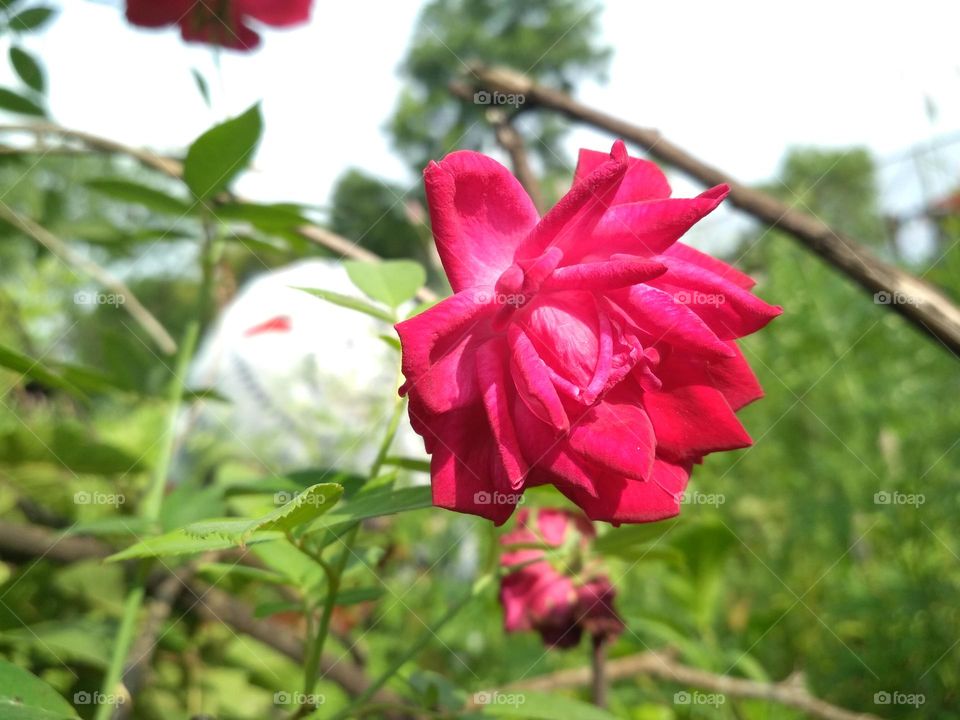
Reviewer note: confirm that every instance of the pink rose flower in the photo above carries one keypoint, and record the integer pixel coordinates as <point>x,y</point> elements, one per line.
<point>219,22</point>
<point>587,349</point>
<point>536,596</point>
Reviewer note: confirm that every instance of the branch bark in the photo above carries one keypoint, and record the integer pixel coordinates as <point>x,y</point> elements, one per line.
<point>661,665</point>
<point>924,305</point>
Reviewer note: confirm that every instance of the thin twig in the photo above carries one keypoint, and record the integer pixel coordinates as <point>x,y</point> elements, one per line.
<point>929,309</point>
<point>51,242</point>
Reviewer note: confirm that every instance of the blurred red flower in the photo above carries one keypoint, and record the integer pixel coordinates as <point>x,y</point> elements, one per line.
<point>536,596</point>
<point>587,349</point>
<point>219,22</point>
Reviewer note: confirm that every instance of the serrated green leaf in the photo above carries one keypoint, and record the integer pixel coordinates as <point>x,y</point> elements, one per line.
<point>31,19</point>
<point>351,303</point>
<point>17,103</point>
<point>391,282</point>
<point>27,67</point>
<point>24,696</point>
<point>221,153</point>
<point>132,192</point>
<point>179,542</point>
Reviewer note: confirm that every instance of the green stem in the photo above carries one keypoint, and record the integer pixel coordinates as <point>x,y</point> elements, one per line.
<point>334,574</point>
<point>388,438</point>
<point>315,644</point>
<point>152,502</point>
<point>416,647</point>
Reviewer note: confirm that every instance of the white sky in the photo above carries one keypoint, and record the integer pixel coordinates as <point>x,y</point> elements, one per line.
<point>735,83</point>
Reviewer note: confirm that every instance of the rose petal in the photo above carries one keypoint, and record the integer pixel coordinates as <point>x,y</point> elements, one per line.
<point>492,374</point>
<point>621,500</point>
<point>729,310</point>
<point>479,213</point>
<point>717,267</point>
<point>692,421</point>
<point>647,228</point>
<point>642,181</point>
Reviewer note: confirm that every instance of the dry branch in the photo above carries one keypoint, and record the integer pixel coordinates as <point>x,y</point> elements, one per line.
<point>661,665</point>
<point>918,301</point>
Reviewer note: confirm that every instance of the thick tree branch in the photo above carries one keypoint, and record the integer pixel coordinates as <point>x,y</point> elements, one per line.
<point>921,303</point>
<point>55,245</point>
<point>663,666</point>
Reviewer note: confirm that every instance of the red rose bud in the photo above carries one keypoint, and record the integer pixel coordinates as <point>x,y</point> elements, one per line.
<point>536,596</point>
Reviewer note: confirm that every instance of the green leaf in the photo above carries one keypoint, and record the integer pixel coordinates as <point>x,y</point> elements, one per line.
<point>623,541</point>
<point>221,153</point>
<point>24,696</point>
<point>391,282</point>
<point>268,218</point>
<point>179,542</point>
<point>351,303</point>
<point>27,68</point>
<point>150,198</point>
<point>202,86</point>
<point>359,595</point>
<point>219,534</point>
<point>216,571</point>
<point>31,19</point>
<point>31,368</point>
<point>408,463</point>
<point>536,706</point>
<point>301,508</point>
<point>85,640</point>
<point>379,502</point>
<point>16,103</point>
